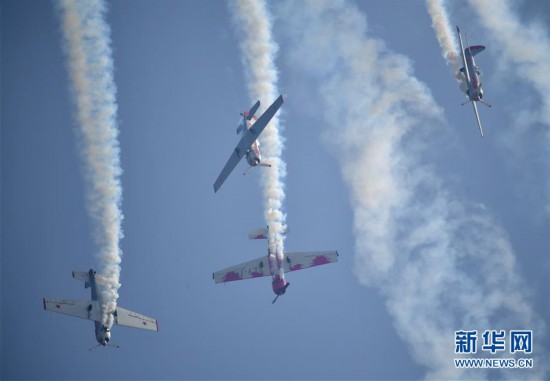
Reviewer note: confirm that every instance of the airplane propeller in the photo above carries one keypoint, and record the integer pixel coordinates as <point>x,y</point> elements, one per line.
<point>485,103</point>
<point>94,347</point>
<point>106,344</point>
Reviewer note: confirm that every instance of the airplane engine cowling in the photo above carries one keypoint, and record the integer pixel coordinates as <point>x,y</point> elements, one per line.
<point>252,158</point>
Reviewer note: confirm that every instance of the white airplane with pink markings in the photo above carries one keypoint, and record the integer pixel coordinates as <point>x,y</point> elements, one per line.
<point>274,265</point>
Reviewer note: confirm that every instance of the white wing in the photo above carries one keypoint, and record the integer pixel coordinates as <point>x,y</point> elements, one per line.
<point>252,269</point>
<point>84,309</point>
<point>132,319</point>
<point>477,117</point>
<point>304,260</point>
<point>466,71</point>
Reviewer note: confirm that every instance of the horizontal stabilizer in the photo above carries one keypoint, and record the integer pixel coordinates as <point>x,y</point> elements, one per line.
<point>304,260</point>
<point>84,309</point>
<point>84,276</point>
<point>473,50</point>
<point>253,110</point>
<point>132,319</point>
<point>252,269</point>
<point>261,233</point>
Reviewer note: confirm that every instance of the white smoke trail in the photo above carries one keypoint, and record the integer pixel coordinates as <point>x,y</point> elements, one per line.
<point>442,264</point>
<point>259,50</point>
<point>524,45</point>
<point>446,38</point>
<point>87,43</point>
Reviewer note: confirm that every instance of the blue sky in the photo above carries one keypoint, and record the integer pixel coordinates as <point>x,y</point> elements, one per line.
<point>180,86</point>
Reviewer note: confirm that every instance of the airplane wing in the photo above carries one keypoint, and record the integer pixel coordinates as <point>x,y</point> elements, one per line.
<point>234,159</point>
<point>84,309</point>
<point>247,270</point>
<point>132,319</point>
<point>304,260</point>
<point>466,71</point>
<point>247,140</point>
<point>263,120</point>
<point>477,117</point>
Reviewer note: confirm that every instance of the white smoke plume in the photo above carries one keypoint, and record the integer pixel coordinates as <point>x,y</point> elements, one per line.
<point>87,44</point>
<point>525,47</point>
<point>446,38</point>
<point>259,51</point>
<point>442,264</point>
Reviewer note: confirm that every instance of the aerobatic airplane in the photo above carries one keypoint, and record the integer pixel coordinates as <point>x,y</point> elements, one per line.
<point>472,75</point>
<point>91,310</point>
<point>251,128</point>
<point>274,265</point>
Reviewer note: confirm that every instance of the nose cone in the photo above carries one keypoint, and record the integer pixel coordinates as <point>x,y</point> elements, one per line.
<point>105,338</point>
<point>279,285</point>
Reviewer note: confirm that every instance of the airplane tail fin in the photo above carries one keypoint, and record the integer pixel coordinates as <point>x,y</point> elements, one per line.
<point>84,276</point>
<point>261,233</point>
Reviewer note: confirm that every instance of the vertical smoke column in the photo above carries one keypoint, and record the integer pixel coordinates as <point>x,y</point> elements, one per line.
<point>441,263</point>
<point>87,44</point>
<point>524,47</point>
<point>445,37</point>
<point>259,51</point>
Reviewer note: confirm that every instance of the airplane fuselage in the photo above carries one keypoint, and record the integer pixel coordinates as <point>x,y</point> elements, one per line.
<point>253,154</point>
<point>102,333</point>
<point>474,90</point>
<point>278,283</point>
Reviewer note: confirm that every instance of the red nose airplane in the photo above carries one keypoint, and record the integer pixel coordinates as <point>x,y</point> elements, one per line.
<point>274,265</point>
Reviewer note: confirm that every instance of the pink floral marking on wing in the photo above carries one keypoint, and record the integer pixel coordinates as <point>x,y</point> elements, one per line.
<point>231,276</point>
<point>320,260</point>
<point>256,274</point>
<point>296,267</point>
